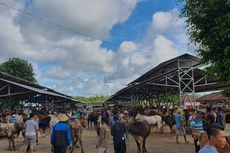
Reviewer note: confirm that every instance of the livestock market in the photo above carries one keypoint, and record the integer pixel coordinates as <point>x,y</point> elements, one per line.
<point>115,76</point>
<point>142,117</point>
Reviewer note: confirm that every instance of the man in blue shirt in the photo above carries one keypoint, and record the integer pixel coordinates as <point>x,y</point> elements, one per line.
<point>220,119</point>
<point>180,130</point>
<point>216,140</point>
<point>118,132</point>
<point>61,135</point>
<point>197,128</point>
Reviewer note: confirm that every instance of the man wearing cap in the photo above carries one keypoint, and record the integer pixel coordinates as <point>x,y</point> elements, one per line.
<point>61,135</point>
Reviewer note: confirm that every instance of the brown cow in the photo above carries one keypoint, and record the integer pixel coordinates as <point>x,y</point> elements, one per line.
<point>140,130</point>
<point>10,131</point>
<point>76,133</point>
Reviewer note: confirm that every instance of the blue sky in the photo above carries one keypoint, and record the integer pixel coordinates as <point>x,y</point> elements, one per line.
<point>141,34</point>
<point>136,26</point>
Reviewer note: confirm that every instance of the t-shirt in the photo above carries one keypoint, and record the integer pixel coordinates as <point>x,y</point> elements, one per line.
<point>191,118</point>
<point>78,115</point>
<point>179,120</point>
<point>220,119</point>
<point>111,121</point>
<point>31,127</point>
<point>197,124</point>
<point>211,118</point>
<point>118,130</point>
<point>13,120</point>
<point>208,149</point>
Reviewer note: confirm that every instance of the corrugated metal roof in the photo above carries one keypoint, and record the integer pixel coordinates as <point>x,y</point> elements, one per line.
<point>26,90</point>
<point>165,67</point>
<point>213,97</point>
<point>142,88</point>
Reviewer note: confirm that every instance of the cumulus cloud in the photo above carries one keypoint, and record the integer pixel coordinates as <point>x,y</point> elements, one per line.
<point>166,21</point>
<point>164,48</point>
<point>85,16</point>
<point>77,65</point>
<point>166,38</point>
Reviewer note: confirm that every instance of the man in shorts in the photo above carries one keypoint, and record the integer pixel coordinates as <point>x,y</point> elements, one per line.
<point>31,133</point>
<point>180,130</point>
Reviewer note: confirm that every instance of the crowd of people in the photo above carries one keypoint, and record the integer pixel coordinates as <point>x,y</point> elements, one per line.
<point>212,122</point>
<point>109,123</point>
<point>115,123</point>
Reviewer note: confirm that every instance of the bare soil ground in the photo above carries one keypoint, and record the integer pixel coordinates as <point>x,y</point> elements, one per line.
<point>156,143</point>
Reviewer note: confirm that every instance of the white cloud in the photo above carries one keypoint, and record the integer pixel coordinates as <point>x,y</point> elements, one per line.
<point>164,48</point>
<point>77,65</point>
<point>92,17</point>
<point>166,21</point>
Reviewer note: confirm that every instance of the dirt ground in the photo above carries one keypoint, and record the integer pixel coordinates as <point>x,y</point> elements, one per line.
<point>156,143</point>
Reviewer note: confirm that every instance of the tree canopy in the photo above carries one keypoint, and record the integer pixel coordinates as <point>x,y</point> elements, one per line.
<point>209,28</point>
<point>19,68</point>
<point>92,99</point>
<point>226,92</point>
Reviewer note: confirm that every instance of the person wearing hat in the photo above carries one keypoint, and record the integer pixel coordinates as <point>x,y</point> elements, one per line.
<point>180,130</point>
<point>61,135</point>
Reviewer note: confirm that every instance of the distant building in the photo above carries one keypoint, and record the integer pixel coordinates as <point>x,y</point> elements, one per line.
<point>214,99</point>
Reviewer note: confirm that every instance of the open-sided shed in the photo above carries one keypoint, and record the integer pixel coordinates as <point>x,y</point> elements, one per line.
<point>13,88</point>
<point>181,75</point>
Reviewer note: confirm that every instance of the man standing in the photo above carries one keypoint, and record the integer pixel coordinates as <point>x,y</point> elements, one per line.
<point>31,133</point>
<point>61,136</point>
<point>180,130</point>
<point>104,136</point>
<point>216,140</point>
<point>197,128</point>
<point>126,121</point>
<point>220,119</point>
<point>118,132</point>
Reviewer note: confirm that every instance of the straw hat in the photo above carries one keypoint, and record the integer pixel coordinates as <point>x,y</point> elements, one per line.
<point>63,117</point>
<point>179,110</point>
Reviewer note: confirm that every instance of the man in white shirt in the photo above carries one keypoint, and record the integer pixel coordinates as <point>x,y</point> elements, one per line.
<point>31,133</point>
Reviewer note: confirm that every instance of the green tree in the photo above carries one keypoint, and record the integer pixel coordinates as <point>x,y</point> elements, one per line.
<point>226,92</point>
<point>92,99</point>
<point>209,27</point>
<point>19,68</point>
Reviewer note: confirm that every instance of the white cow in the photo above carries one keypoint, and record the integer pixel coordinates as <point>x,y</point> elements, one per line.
<point>151,120</point>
